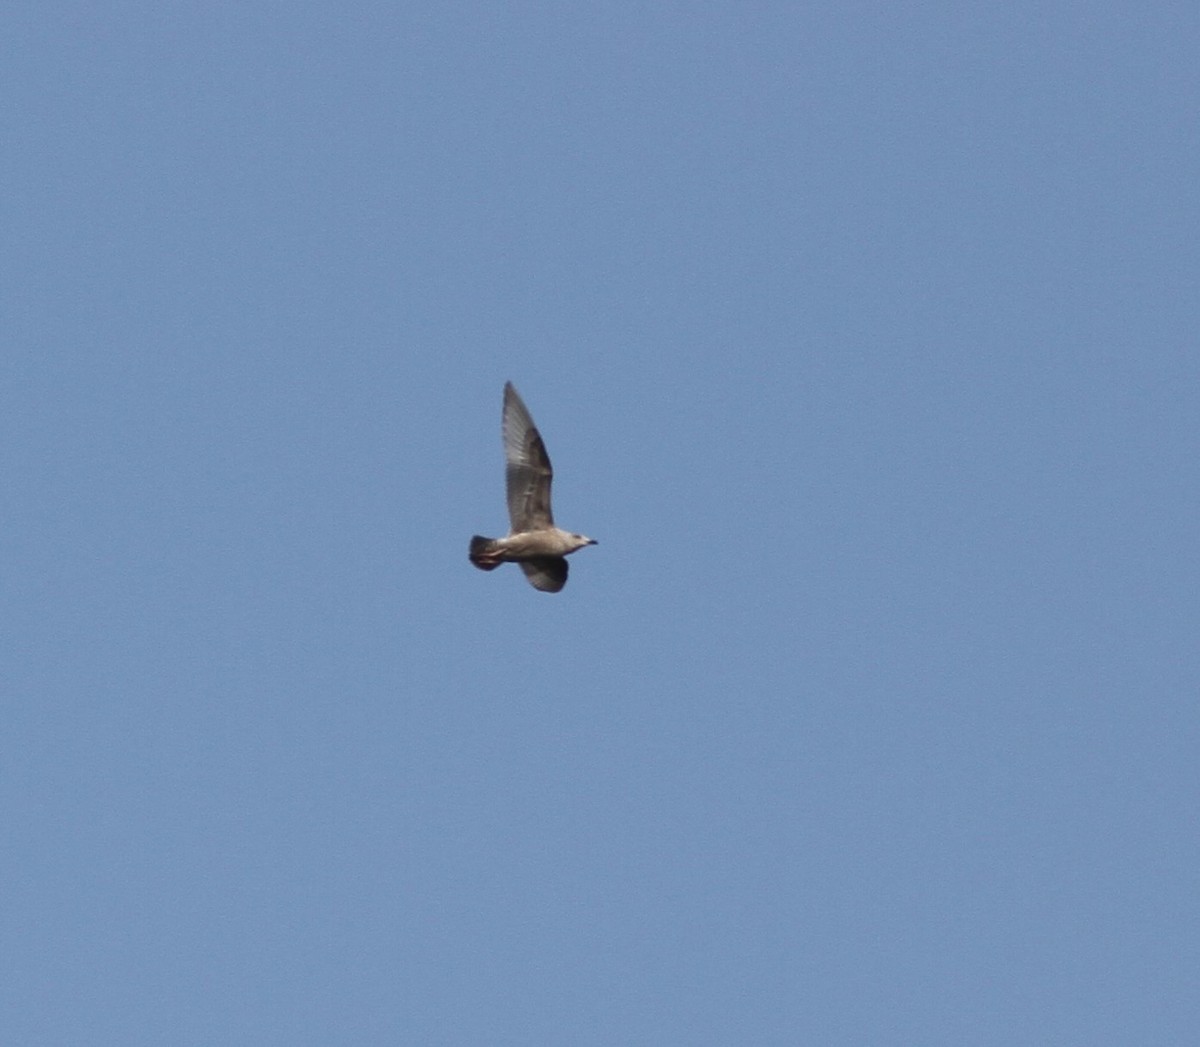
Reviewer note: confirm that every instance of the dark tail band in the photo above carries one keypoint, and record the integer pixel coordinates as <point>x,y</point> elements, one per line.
<point>482,554</point>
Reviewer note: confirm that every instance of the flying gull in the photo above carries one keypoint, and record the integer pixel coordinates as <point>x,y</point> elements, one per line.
<point>534,542</point>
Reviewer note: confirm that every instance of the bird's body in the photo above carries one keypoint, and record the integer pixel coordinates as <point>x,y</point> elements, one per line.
<point>534,542</point>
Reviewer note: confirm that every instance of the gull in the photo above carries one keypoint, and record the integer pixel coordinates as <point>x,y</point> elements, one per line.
<point>534,542</point>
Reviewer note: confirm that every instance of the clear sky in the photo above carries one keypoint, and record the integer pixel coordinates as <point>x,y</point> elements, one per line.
<point>864,339</point>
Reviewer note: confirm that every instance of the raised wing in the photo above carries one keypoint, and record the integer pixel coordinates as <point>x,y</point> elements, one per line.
<point>527,473</point>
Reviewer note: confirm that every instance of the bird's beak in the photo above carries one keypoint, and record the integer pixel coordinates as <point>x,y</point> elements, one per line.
<point>592,541</point>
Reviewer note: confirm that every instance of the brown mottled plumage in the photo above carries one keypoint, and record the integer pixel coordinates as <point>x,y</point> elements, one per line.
<point>534,542</point>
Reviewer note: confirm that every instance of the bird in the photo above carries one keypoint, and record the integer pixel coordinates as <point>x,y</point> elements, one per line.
<point>534,542</point>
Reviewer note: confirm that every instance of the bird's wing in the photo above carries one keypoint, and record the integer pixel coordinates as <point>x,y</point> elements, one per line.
<point>527,473</point>
<point>548,573</point>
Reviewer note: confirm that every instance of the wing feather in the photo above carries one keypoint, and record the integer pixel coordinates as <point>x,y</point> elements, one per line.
<point>548,573</point>
<point>527,472</point>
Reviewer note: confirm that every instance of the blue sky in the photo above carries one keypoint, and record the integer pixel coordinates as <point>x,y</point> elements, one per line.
<point>864,339</point>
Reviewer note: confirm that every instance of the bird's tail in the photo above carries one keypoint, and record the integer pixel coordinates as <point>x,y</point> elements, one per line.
<point>484,553</point>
